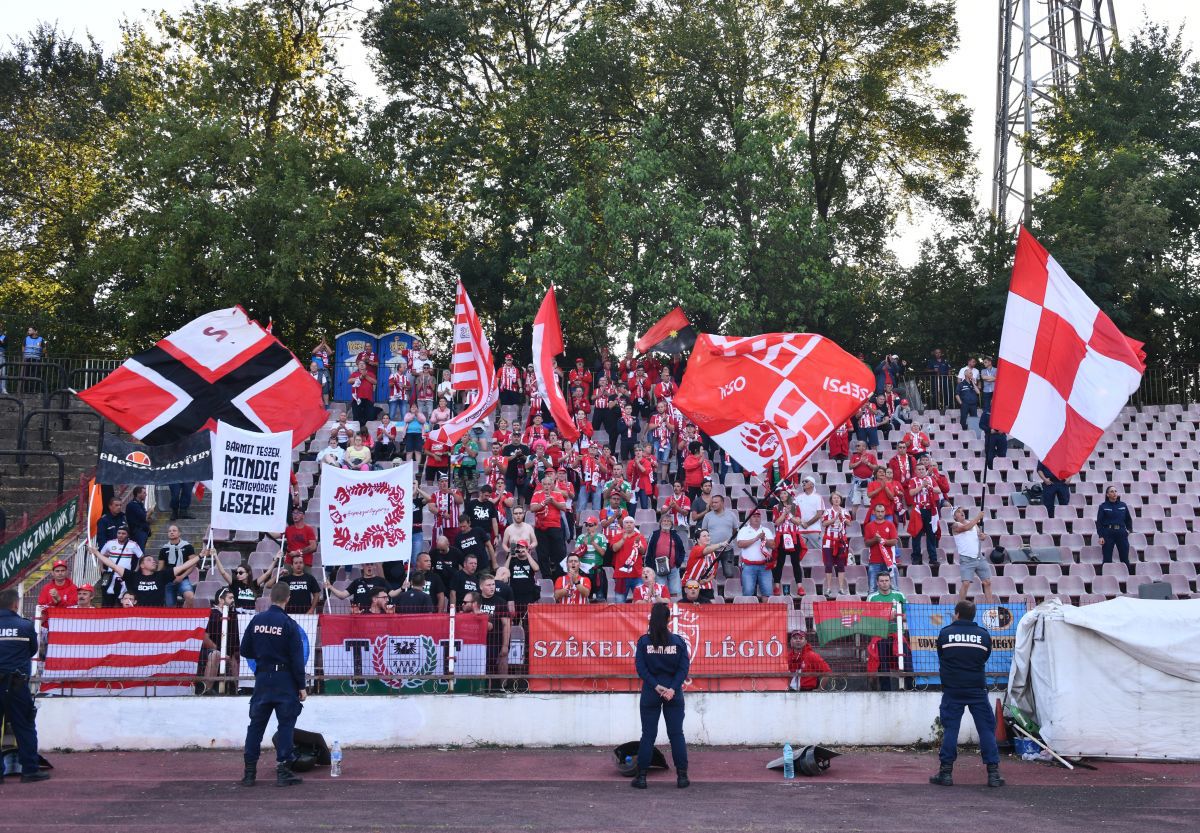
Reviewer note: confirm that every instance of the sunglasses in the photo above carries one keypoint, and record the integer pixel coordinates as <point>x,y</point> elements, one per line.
<point>589,523</point>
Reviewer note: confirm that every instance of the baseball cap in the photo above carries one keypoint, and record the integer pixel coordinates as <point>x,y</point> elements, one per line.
<point>443,476</point>
<point>707,480</point>
<point>592,519</point>
<point>124,527</point>
<point>903,401</point>
<point>508,355</point>
<point>88,587</point>
<point>57,564</point>
<point>579,361</point>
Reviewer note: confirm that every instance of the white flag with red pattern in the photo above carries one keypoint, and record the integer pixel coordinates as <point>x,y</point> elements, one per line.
<point>771,397</point>
<point>1065,370</point>
<point>472,369</point>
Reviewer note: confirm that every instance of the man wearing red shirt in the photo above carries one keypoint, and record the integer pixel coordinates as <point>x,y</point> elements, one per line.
<point>581,377</point>
<point>629,551</point>
<point>447,506</point>
<point>678,506</point>
<point>917,441</point>
<point>664,388</point>
<point>802,658</point>
<point>300,538</point>
<point>362,391</point>
<point>547,506</point>
<point>925,493</point>
<point>510,382</point>
<point>640,472</point>
<point>880,535</point>
<point>901,465</point>
<point>60,591</point>
<point>572,588</point>
<point>862,469</point>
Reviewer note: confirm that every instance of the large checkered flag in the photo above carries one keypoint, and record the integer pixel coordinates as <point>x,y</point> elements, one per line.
<point>771,397</point>
<point>1065,370</point>
<point>222,366</point>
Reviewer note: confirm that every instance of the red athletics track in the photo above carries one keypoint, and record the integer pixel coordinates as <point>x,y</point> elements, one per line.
<point>500,790</point>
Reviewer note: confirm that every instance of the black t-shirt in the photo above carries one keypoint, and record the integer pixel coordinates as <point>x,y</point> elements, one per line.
<point>362,589</point>
<point>525,585</point>
<point>304,589</point>
<point>149,590</point>
<point>418,510</point>
<point>245,595</point>
<point>464,584</point>
<point>434,586</point>
<point>481,514</point>
<point>473,542</point>
<point>516,453</point>
<point>413,601</point>
<point>496,609</point>
<point>231,629</point>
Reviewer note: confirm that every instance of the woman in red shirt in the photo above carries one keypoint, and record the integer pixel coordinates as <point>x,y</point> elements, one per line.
<point>885,492</point>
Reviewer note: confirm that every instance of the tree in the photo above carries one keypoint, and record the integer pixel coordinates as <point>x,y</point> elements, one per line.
<point>1123,151</point>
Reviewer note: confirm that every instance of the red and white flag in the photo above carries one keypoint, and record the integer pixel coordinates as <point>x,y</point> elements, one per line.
<point>472,369</point>
<point>548,343</point>
<point>122,651</point>
<point>1065,370</point>
<point>222,366</point>
<point>771,397</point>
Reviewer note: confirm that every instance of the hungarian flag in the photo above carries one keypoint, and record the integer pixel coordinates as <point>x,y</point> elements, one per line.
<point>548,343</point>
<point>833,620</point>
<point>1065,370</point>
<point>774,397</point>
<point>222,366</point>
<point>472,369</point>
<point>672,334</point>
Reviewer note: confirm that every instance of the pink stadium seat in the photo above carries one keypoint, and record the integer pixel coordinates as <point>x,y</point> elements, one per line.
<point>933,586</point>
<point>1183,568</point>
<point>1090,555</point>
<point>745,600</point>
<point>1091,598</point>
<point>1115,568</point>
<point>1016,571</point>
<point>1085,571</point>
<point>1106,585</point>
<point>1188,552</point>
<point>1149,568</point>
<point>1036,586</point>
<point>1180,585</point>
<point>1070,586</point>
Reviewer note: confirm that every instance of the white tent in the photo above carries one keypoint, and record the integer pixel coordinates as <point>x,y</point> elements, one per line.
<point>1118,679</point>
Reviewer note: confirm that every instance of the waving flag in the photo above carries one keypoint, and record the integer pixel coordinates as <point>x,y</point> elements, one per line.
<point>1065,370</point>
<point>472,369</point>
<point>221,366</point>
<point>672,334</point>
<point>771,397</point>
<point>548,343</point>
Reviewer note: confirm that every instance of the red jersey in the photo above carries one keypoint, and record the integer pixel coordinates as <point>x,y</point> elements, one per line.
<point>680,509</point>
<point>296,538</point>
<point>925,496</point>
<point>426,389</point>
<point>575,595</point>
<point>641,474</point>
<point>901,467</point>
<point>68,595</point>
<point>693,471</point>
<point>663,390</point>
<point>400,386</point>
<point>501,438</point>
<point>787,536</point>
<point>446,508</point>
<point>701,567</point>
<point>510,378</point>
<point>651,593</point>
<point>886,530</point>
<point>629,558</point>
<point>863,465</point>
<point>362,385</point>
<point>918,443</point>
<point>835,534</point>
<point>549,516</point>
<point>868,417</point>
<point>535,432</point>
<point>580,379</point>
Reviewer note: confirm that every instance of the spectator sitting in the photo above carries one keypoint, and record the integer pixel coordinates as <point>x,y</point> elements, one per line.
<point>650,590</point>
<point>332,454</point>
<point>384,447</point>
<point>86,595</point>
<point>803,662</point>
<point>691,593</point>
<point>357,456</point>
<point>343,431</point>
<point>60,591</point>
<point>128,600</point>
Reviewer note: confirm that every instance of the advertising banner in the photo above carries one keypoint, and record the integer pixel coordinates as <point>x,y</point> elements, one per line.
<point>569,641</point>
<point>24,547</point>
<point>121,462</point>
<point>925,621</point>
<point>366,516</point>
<point>381,654</point>
<point>250,480</point>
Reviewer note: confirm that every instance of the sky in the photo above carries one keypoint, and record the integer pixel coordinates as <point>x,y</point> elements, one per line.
<point>970,71</point>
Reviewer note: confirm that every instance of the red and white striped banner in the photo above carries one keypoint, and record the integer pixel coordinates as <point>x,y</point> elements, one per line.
<point>471,369</point>
<point>123,651</point>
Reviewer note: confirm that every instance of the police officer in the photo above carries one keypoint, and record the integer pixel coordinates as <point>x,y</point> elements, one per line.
<point>963,650</point>
<point>1054,489</point>
<point>18,644</point>
<point>662,663</point>
<point>273,641</point>
<point>1114,522</point>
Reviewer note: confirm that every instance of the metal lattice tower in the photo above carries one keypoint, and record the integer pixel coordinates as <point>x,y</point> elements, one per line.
<point>1042,44</point>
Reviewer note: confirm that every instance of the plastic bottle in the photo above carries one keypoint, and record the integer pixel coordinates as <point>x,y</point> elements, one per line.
<point>335,760</point>
<point>789,762</point>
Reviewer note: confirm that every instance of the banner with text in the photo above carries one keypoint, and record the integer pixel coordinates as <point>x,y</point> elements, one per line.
<point>251,474</point>
<point>122,462</point>
<point>383,653</point>
<point>925,622</point>
<point>308,634</point>
<point>591,647</point>
<point>366,516</point>
<point>20,550</point>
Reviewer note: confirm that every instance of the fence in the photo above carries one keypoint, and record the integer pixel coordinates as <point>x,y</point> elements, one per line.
<point>551,648</point>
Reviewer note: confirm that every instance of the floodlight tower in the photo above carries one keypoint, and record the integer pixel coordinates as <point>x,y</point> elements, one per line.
<point>1042,45</point>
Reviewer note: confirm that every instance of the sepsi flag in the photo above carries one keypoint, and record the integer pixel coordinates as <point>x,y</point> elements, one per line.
<point>834,620</point>
<point>472,369</point>
<point>548,343</point>
<point>672,334</point>
<point>221,366</point>
<point>1065,370</point>
<point>773,397</point>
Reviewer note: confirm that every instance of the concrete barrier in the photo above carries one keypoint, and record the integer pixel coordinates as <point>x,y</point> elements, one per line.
<point>719,719</point>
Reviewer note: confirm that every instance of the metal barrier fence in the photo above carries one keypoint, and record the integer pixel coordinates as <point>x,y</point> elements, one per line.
<point>544,648</point>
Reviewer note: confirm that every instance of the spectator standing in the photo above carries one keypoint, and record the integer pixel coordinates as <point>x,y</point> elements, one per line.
<point>812,507</point>
<point>879,534</point>
<point>362,393</point>
<point>789,544</point>
<point>940,382</point>
<point>721,523</point>
<point>122,552</point>
<point>181,500</point>
<point>1114,522</point>
<point>967,397</point>
<point>887,645</point>
<point>362,589</point>
<point>972,564</point>
<point>754,545</point>
<point>245,588</point>
<point>60,591</point>
<point>1054,490</point>
<point>523,572</point>
<point>548,505</point>
<point>137,518</point>
<point>862,468</point>
<point>305,590</point>
<point>173,554</point>
<point>987,383</point>
<point>3,359</point>
<point>148,583</point>
<point>925,495</point>
<point>413,597</point>
<point>34,354</point>
<point>400,390</point>
<point>835,542</point>
<point>667,553</point>
<point>629,550</point>
<point>572,587</point>
<point>321,376</point>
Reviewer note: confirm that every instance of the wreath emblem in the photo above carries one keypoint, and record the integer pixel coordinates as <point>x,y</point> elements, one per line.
<point>396,659</point>
<point>388,534</point>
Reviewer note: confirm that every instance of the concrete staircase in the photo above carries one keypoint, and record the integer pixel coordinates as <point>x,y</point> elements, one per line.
<point>72,437</point>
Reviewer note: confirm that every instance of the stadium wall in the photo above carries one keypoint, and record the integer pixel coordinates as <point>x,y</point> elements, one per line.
<point>719,719</point>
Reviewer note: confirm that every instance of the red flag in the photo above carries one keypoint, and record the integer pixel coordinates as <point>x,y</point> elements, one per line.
<point>1065,370</point>
<point>221,366</point>
<point>672,334</point>
<point>472,369</point>
<point>771,397</point>
<point>548,343</point>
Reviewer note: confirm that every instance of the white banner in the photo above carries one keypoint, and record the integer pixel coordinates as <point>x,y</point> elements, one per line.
<point>366,516</point>
<point>251,474</point>
<point>308,632</point>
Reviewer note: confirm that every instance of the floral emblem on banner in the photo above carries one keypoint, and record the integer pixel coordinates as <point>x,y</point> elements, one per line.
<point>387,533</point>
<point>396,658</point>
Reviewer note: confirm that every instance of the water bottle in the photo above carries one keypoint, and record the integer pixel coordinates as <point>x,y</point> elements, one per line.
<point>789,762</point>
<point>335,760</point>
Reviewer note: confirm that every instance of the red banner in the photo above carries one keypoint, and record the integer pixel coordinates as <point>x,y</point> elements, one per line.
<point>591,648</point>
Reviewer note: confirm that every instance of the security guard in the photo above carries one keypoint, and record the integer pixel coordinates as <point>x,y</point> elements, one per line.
<point>1114,522</point>
<point>963,650</point>
<point>18,644</point>
<point>662,663</point>
<point>274,642</point>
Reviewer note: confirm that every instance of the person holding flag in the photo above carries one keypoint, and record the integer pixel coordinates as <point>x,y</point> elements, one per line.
<point>880,535</point>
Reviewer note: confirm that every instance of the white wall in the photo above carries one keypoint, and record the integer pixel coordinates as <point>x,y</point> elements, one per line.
<point>719,719</point>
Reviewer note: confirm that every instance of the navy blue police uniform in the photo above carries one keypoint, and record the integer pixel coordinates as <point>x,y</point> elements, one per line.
<point>1114,522</point>
<point>665,665</point>
<point>1054,490</point>
<point>18,644</point>
<point>275,644</point>
<point>963,649</point>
